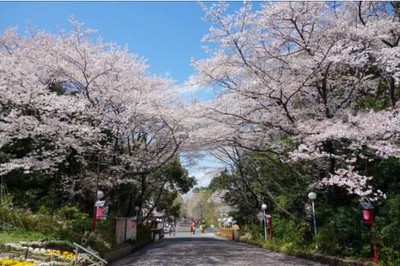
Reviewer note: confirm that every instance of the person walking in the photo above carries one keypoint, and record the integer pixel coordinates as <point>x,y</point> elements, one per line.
<point>173,230</point>
<point>192,229</point>
<point>170,230</point>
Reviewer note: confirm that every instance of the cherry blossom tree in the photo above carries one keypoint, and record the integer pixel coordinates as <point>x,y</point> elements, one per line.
<point>50,124</point>
<point>324,76</point>
<point>66,96</point>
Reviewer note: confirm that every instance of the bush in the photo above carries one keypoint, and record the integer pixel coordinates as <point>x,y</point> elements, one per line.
<point>95,241</point>
<point>70,224</point>
<point>344,234</point>
<point>389,256</point>
<point>327,240</point>
<point>292,233</point>
<point>247,237</point>
<point>22,219</point>
<point>387,227</point>
<point>143,235</point>
<point>253,232</point>
<point>75,219</point>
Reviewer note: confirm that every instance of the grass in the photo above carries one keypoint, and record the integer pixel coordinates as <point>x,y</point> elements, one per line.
<point>18,235</point>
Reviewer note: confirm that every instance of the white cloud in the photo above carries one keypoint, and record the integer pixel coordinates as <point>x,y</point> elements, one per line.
<point>206,168</point>
<point>195,93</point>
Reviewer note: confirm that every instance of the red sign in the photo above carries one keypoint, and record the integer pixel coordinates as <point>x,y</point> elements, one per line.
<point>99,212</point>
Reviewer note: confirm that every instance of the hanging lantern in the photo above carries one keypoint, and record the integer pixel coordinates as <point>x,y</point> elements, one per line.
<point>368,216</point>
<point>367,213</point>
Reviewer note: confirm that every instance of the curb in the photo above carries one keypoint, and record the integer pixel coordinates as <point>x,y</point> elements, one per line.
<point>124,251</point>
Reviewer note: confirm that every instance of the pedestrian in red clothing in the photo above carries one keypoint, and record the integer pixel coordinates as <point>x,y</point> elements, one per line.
<point>192,229</point>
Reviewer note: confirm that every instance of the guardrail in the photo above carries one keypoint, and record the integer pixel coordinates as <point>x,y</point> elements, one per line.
<point>88,256</point>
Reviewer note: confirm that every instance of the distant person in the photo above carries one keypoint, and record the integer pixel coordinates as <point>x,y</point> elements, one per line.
<point>170,230</point>
<point>173,230</point>
<point>202,228</point>
<point>192,229</point>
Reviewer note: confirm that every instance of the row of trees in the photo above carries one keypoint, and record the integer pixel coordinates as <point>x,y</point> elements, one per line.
<point>307,99</point>
<point>77,115</point>
<point>307,81</point>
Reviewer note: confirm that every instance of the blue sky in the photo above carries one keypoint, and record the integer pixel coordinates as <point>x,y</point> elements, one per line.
<point>166,34</point>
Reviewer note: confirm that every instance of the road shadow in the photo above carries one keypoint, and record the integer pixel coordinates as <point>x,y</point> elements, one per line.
<point>192,239</point>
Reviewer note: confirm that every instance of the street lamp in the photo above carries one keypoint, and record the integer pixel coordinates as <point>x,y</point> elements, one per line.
<point>137,214</point>
<point>368,217</point>
<point>312,196</point>
<point>99,196</point>
<point>264,207</point>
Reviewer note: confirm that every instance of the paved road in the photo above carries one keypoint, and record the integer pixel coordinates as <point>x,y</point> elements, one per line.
<point>205,249</point>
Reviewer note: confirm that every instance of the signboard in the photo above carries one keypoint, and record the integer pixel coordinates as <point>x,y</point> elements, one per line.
<point>101,209</point>
<point>260,216</point>
<point>126,229</point>
<point>131,228</point>
<point>133,223</point>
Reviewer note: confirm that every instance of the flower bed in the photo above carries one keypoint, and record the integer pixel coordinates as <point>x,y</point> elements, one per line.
<point>42,249</point>
<point>13,262</point>
<point>36,254</point>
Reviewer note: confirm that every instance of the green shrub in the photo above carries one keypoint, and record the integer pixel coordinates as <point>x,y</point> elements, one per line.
<point>106,228</point>
<point>69,224</point>
<point>255,231</point>
<point>143,234</point>
<point>247,237</point>
<point>6,227</point>
<point>27,221</point>
<point>292,233</point>
<point>388,230</point>
<point>327,240</point>
<point>75,223</point>
<point>344,234</point>
<point>389,256</point>
<point>95,241</point>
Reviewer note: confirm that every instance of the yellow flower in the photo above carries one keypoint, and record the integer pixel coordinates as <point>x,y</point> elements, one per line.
<point>10,262</point>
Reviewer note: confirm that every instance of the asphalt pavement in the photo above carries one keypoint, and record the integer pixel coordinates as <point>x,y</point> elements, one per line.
<point>205,249</point>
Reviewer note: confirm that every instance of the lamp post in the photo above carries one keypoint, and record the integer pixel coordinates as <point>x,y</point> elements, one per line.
<point>99,196</point>
<point>368,217</point>
<point>312,196</point>
<point>137,214</point>
<point>264,207</point>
